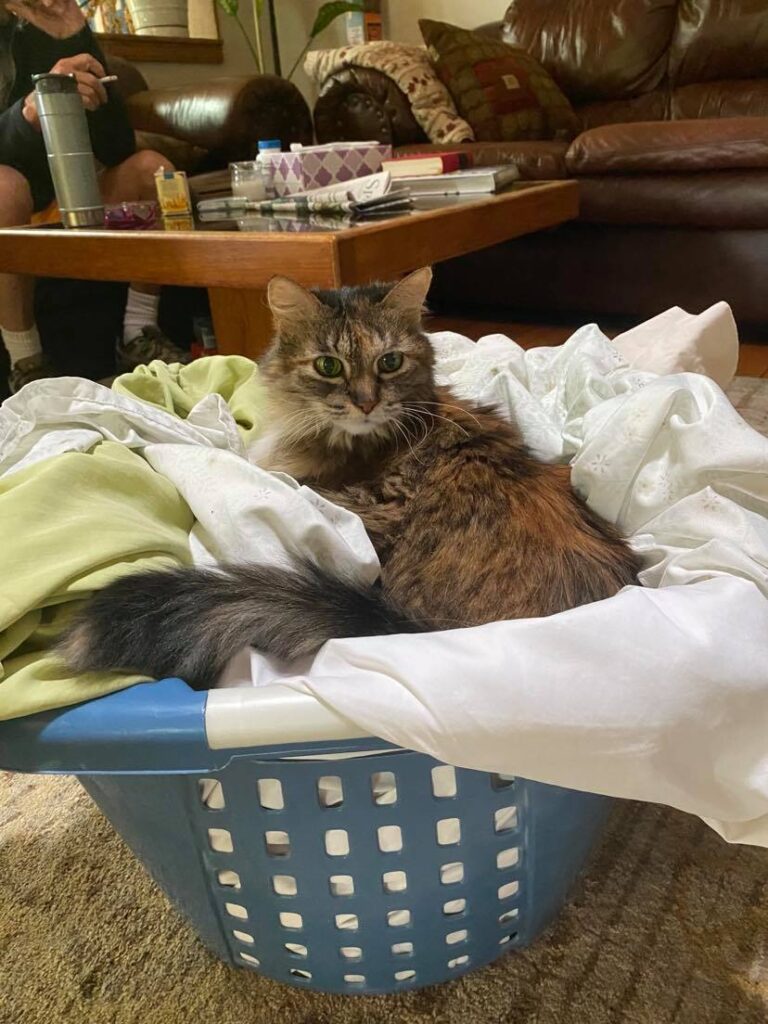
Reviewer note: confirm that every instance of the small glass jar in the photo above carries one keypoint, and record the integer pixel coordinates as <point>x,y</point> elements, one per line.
<point>248,180</point>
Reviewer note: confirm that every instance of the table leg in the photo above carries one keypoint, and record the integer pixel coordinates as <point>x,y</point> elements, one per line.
<point>242,321</point>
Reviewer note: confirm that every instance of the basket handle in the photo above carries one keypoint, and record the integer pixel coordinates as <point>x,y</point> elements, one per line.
<point>165,727</point>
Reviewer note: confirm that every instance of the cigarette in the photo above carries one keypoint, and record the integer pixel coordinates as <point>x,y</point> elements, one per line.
<point>107,79</point>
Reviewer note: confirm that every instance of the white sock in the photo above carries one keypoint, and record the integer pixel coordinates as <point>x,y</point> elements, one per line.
<point>140,312</point>
<point>21,344</point>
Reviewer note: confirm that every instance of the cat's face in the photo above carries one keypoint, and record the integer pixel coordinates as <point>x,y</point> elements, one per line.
<point>352,363</point>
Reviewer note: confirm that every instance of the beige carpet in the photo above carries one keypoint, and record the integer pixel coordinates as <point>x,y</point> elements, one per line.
<point>668,926</point>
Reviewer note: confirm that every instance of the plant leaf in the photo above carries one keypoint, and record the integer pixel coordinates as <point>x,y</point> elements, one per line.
<point>329,12</point>
<point>230,7</point>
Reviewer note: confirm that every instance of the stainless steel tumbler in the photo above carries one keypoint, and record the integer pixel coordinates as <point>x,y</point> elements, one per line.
<point>70,154</point>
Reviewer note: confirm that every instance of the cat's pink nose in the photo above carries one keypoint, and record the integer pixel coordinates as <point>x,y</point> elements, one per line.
<point>369,406</point>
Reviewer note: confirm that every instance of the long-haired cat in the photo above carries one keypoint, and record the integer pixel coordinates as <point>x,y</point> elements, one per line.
<point>469,527</point>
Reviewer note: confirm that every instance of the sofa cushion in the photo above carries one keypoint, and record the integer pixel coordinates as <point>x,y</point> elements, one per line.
<point>183,155</point>
<point>596,49</point>
<point>734,98</point>
<point>651,106</point>
<point>720,199</point>
<point>732,143</point>
<point>502,91</point>
<point>540,160</point>
<point>715,39</point>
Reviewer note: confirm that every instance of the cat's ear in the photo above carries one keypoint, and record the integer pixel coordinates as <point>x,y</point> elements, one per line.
<point>290,302</point>
<point>409,295</point>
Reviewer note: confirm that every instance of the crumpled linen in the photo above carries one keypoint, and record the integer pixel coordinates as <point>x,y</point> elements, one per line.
<point>656,694</point>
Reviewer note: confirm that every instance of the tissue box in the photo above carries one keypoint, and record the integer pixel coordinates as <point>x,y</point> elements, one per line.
<point>318,166</point>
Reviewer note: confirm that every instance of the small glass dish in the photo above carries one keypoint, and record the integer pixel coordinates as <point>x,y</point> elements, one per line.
<point>131,216</point>
<point>248,180</point>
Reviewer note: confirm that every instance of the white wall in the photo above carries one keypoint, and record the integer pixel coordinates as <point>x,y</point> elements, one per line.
<point>402,16</point>
<point>237,60</point>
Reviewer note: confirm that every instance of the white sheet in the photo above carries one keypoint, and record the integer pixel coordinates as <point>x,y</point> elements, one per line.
<point>656,694</point>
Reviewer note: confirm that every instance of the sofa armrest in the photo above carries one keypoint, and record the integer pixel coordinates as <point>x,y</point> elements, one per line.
<point>358,104</point>
<point>717,144</point>
<point>226,116</point>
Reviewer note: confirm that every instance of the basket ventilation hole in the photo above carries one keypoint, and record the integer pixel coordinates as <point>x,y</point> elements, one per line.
<point>453,937</point>
<point>405,975</point>
<point>454,907</point>
<point>508,889</point>
<point>444,781</point>
<point>394,881</point>
<point>351,952</point>
<point>220,840</point>
<point>508,858</point>
<point>508,915</point>
<point>398,918</point>
<point>211,794</point>
<point>230,879</point>
<point>302,975</point>
<point>383,788</point>
<point>448,831</point>
<point>290,920</point>
<point>336,842</point>
<point>330,792</point>
<point>271,794</point>
<point>250,959</point>
<point>342,885</point>
<point>507,938</point>
<point>451,873</point>
<point>402,948</point>
<point>502,781</point>
<point>458,961</point>
<point>243,937</point>
<point>354,979</point>
<point>278,844</point>
<point>236,910</point>
<point>284,885</point>
<point>347,922</point>
<point>390,838</point>
<point>505,819</point>
<point>296,948</point>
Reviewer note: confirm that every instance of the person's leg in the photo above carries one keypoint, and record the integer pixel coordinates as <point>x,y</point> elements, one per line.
<point>17,318</point>
<point>134,181</point>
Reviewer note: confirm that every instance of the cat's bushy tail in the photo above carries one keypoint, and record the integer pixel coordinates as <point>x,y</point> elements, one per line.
<point>188,622</point>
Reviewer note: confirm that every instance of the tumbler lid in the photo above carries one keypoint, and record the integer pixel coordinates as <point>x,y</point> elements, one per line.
<point>51,83</point>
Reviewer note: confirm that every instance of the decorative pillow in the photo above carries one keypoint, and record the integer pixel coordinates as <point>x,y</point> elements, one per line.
<point>410,70</point>
<point>502,91</point>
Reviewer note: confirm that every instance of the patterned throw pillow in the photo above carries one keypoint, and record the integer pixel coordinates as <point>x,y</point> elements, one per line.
<point>502,91</point>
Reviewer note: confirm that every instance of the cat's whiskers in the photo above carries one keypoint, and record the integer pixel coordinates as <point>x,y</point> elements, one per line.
<point>436,416</point>
<point>447,405</point>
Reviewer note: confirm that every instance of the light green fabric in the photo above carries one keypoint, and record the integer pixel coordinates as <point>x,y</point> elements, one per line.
<point>84,519</point>
<point>74,522</point>
<point>177,388</point>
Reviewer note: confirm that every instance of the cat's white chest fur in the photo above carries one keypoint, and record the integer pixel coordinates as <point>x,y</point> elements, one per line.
<point>268,453</point>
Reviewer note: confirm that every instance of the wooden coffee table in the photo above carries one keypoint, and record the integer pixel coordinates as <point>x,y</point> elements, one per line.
<point>236,265</point>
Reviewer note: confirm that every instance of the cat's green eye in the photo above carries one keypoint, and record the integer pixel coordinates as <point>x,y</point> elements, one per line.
<point>329,366</point>
<point>390,362</point>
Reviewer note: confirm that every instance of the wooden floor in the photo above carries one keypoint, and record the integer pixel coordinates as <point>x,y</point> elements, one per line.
<point>753,357</point>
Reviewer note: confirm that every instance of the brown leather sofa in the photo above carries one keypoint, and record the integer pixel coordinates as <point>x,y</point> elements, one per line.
<point>205,125</point>
<point>672,96</point>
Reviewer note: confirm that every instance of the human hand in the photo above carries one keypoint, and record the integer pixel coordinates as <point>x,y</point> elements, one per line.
<point>87,71</point>
<point>57,18</point>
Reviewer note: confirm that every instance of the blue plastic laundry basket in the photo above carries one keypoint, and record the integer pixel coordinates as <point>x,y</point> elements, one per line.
<point>373,872</point>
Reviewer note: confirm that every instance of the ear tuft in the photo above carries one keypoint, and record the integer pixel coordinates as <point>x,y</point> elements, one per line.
<point>291,302</point>
<point>409,295</point>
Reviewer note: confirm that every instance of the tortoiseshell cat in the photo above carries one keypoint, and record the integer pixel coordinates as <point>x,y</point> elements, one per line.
<point>469,527</point>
